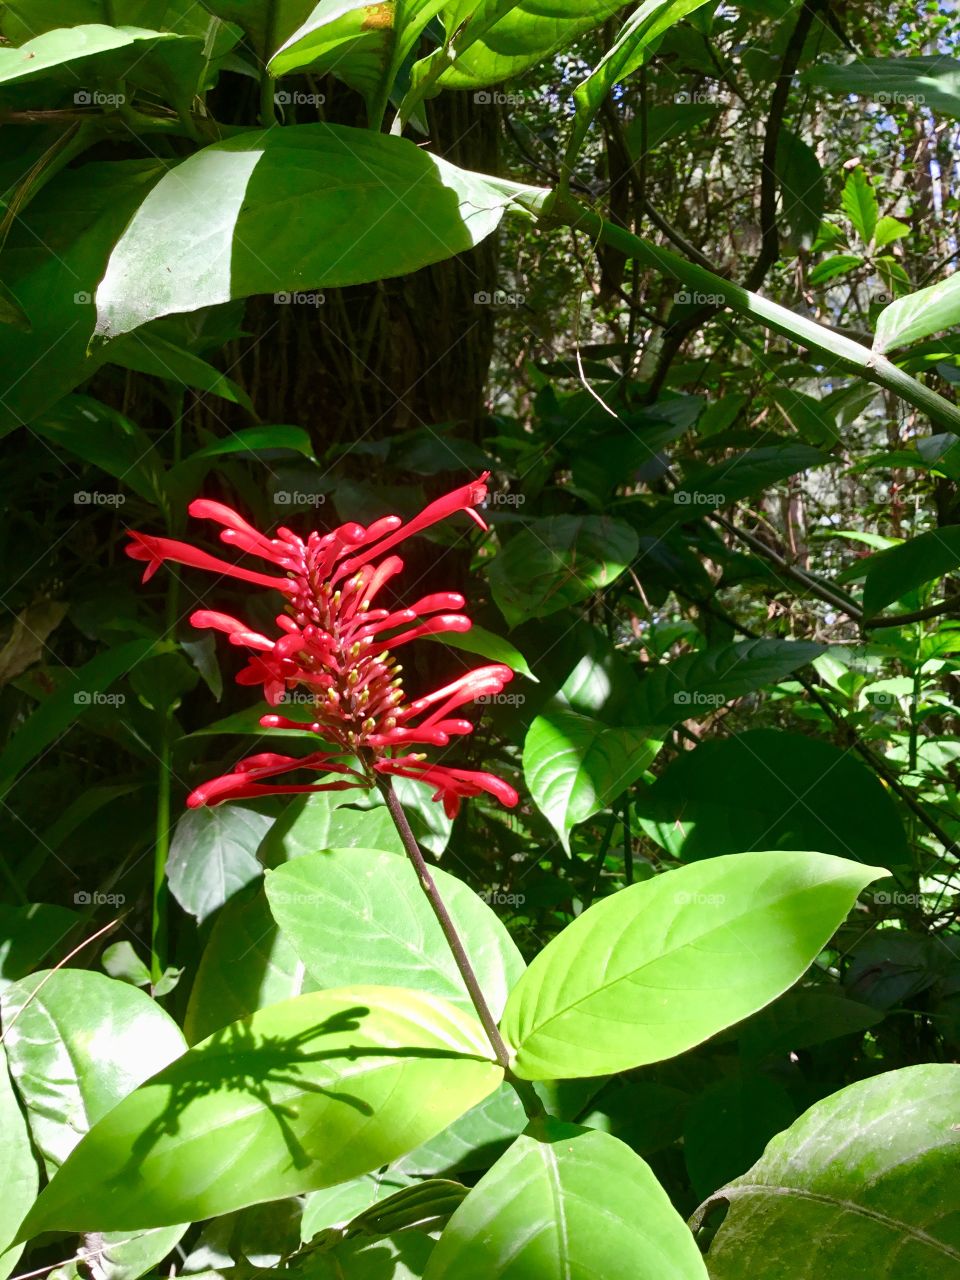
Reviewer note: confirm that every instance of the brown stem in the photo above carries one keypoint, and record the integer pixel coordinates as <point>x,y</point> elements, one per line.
<point>526,1092</point>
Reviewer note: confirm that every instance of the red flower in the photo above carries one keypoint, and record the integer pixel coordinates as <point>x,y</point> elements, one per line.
<point>336,647</point>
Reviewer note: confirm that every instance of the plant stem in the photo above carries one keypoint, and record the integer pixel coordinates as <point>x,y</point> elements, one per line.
<point>560,209</point>
<point>161,849</point>
<point>525,1090</point>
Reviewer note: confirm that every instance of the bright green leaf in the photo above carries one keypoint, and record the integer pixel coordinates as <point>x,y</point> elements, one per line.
<point>663,965</point>
<point>919,314</point>
<point>860,204</point>
<point>299,1096</point>
<point>213,855</point>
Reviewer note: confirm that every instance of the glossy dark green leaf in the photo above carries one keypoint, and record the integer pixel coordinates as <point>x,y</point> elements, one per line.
<point>304,1094</point>
<point>78,1046</point>
<point>558,561</point>
<point>59,711</point>
<point>746,473</point>
<point>148,352</point>
<point>487,645</point>
<point>665,964</point>
<point>255,440</point>
<point>692,686</point>
<point>892,574</point>
<point>863,1184</point>
<point>729,1124</point>
<point>213,855</point>
<point>566,1201</point>
<point>96,433</point>
<point>802,188</point>
<point>358,916</point>
<point>31,934</point>
<point>803,1018</point>
<point>932,81</point>
<point>791,792</point>
<point>19,1175</point>
<point>574,765</point>
<point>289,210</point>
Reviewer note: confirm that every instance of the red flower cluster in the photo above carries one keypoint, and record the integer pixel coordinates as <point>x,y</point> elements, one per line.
<point>337,647</point>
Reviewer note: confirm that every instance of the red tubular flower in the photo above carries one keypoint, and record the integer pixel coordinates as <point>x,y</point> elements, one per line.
<point>335,645</point>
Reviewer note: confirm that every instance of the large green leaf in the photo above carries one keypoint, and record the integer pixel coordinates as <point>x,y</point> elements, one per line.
<point>52,265</point>
<point>58,712</point>
<point>665,964</point>
<point>304,1094</point>
<point>634,44</point>
<point>326,820</point>
<point>363,44</point>
<point>566,1202</point>
<point>729,1124</point>
<point>246,965</point>
<point>932,81</point>
<point>266,23</point>
<point>213,854</point>
<point>574,765</point>
<point>919,314</point>
<point>893,573</point>
<point>98,434</point>
<point>23,19</point>
<point>472,1142</point>
<point>743,474</point>
<point>19,1175</point>
<point>357,916</point>
<point>863,1184</point>
<point>292,209</point>
<point>525,34</point>
<point>28,935</point>
<point>558,561</point>
<point>767,789</point>
<point>78,1042</point>
<point>860,204</point>
<point>698,683</point>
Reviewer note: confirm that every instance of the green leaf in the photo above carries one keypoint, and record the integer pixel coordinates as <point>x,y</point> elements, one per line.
<point>803,1018</point>
<point>933,81</point>
<point>28,935</point>
<point>525,34</point>
<point>93,54</point>
<point>98,434</point>
<point>266,22</point>
<point>255,440</point>
<point>893,573</point>
<point>860,204</point>
<point>77,1043</point>
<point>919,314</point>
<point>480,641</point>
<point>858,1186</point>
<point>121,961</point>
<point>566,1201</point>
<point>802,189</point>
<point>312,823</point>
<point>663,965</point>
<point>769,789</point>
<point>698,683</point>
<point>246,965</point>
<point>360,916</point>
<point>745,474</point>
<point>362,44</point>
<point>402,1256</point>
<point>52,265</point>
<point>299,1096</point>
<point>19,1175</point>
<point>837,265</point>
<point>150,353</point>
<point>634,44</point>
<point>351,205</point>
<point>59,711</point>
<point>729,1124</point>
<point>213,854</point>
<point>889,229</point>
<point>574,766</point>
<point>336,1206</point>
<point>556,562</point>
<point>811,418</point>
<point>472,1142</point>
